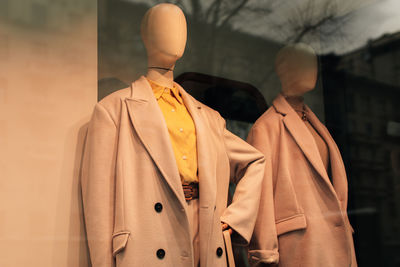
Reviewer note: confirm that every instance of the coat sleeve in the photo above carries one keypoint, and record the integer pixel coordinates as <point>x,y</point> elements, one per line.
<point>97,182</point>
<point>246,171</point>
<point>263,250</point>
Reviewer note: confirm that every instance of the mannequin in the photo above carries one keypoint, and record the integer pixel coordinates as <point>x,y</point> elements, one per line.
<point>302,219</point>
<point>164,49</point>
<point>157,167</point>
<point>164,34</point>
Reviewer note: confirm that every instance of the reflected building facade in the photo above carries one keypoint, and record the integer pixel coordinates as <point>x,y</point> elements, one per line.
<point>362,93</point>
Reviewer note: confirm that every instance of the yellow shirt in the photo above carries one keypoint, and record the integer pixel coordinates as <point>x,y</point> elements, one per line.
<point>181,130</point>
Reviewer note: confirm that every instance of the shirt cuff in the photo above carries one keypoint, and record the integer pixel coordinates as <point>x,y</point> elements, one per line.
<point>257,257</point>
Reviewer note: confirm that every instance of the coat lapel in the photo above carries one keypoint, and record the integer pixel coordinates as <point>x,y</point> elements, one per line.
<point>205,155</point>
<point>339,178</point>
<point>302,136</point>
<point>150,125</point>
<point>207,161</point>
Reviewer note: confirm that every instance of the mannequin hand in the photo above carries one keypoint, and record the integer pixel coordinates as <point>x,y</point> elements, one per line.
<point>225,227</point>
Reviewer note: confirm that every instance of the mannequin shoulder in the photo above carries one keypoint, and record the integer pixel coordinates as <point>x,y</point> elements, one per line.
<point>214,116</point>
<point>269,119</point>
<point>266,130</point>
<point>210,112</point>
<point>116,96</point>
<point>112,102</point>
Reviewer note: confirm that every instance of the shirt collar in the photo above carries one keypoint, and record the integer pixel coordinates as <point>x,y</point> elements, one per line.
<point>159,90</point>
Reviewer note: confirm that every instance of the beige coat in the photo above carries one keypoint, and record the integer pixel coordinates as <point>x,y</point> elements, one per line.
<point>133,198</point>
<point>302,219</point>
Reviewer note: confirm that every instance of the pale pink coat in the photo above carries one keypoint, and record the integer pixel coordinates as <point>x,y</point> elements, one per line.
<point>302,219</point>
<point>129,167</point>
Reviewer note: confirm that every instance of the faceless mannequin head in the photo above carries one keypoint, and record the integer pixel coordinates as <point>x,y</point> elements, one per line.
<point>163,32</point>
<point>297,68</point>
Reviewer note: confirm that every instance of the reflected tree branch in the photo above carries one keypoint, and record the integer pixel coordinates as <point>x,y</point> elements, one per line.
<point>317,22</point>
<point>233,12</point>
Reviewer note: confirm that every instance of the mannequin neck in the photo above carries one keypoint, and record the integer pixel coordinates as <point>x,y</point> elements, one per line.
<point>163,73</point>
<point>297,85</point>
<point>295,101</point>
<point>162,77</point>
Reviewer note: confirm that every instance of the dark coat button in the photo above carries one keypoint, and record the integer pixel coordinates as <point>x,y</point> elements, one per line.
<point>158,207</point>
<point>219,252</point>
<point>160,254</point>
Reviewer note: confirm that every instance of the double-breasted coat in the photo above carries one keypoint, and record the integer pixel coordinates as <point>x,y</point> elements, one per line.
<point>302,218</point>
<point>134,206</point>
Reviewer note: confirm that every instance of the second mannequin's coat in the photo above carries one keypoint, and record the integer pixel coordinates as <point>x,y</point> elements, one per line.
<point>134,206</point>
<point>302,218</point>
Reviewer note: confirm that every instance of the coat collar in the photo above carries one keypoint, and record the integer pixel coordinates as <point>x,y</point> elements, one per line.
<point>159,90</point>
<point>306,142</point>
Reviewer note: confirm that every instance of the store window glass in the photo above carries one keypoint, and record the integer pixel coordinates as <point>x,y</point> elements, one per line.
<point>228,64</point>
<point>60,58</point>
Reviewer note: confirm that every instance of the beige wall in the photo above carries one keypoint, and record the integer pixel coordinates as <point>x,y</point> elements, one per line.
<point>48,87</point>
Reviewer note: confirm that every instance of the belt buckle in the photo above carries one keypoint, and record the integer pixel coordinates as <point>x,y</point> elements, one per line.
<point>188,191</point>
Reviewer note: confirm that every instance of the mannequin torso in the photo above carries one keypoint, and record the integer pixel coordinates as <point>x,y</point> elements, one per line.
<point>297,103</point>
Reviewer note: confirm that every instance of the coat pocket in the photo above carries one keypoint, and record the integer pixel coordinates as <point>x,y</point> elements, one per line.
<point>292,223</point>
<point>119,240</point>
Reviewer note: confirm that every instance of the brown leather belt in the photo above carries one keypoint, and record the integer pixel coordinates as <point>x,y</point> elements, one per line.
<point>191,190</point>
